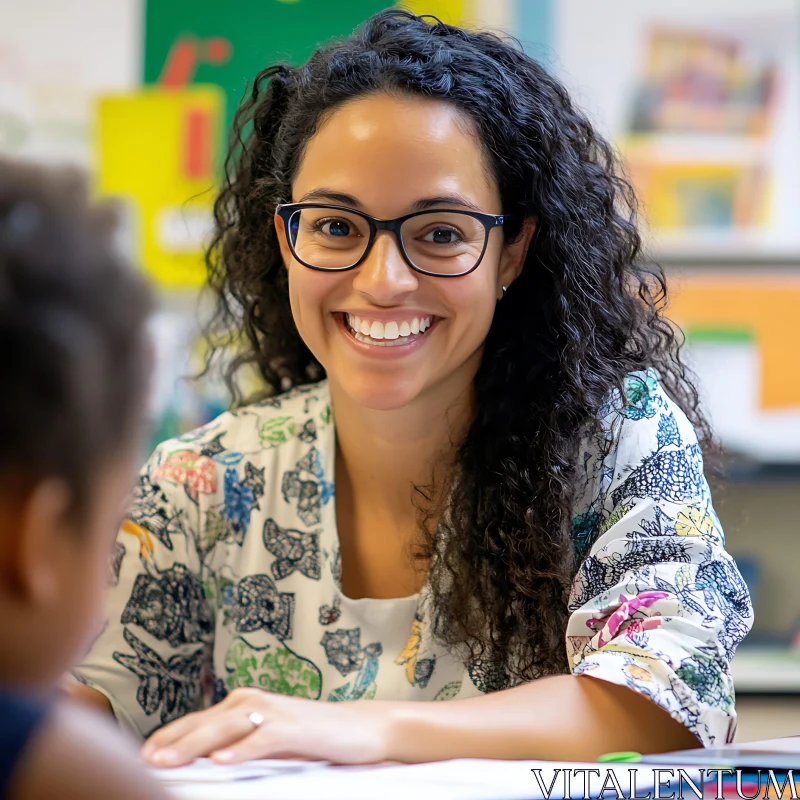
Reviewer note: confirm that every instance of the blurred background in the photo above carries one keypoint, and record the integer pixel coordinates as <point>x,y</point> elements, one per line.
<point>702,99</point>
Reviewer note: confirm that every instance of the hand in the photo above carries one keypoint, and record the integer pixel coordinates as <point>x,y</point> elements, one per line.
<point>350,732</point>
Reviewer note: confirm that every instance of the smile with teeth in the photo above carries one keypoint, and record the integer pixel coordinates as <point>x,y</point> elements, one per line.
<point>386,334</point>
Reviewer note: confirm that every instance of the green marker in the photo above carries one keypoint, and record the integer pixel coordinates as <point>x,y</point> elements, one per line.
<point>630,758</point>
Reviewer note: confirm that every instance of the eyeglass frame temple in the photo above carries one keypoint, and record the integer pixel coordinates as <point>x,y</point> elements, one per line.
<point>489,221</point>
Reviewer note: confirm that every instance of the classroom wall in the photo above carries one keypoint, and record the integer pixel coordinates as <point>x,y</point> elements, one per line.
<point>52,78</point>
<point>56,57</point>
<point>762,520</point>
<point>599,48</point>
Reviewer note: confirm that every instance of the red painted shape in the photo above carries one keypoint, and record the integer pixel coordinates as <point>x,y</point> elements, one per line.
<point>181,64</point>
<point>197,144</point>
<point>187,53</point>
<point>218,50</point>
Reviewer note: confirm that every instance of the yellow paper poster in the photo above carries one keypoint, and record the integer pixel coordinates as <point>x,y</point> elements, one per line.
<point>452,12</point>
<point>158,151</point>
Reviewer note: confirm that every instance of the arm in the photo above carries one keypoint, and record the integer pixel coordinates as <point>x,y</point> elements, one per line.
<point>658,608</point>
<point>561,718</point>
<point>658,605</point>
<point>78,755</point>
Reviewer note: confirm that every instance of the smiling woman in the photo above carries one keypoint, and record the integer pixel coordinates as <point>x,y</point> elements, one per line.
<point>484,484</point>
<point>434,251</point>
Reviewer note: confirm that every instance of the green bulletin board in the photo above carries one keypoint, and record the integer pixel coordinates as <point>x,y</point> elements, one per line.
<point>228,43</point>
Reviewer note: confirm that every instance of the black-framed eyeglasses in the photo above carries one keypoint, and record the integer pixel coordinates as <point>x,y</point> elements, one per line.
<point>443,243</point>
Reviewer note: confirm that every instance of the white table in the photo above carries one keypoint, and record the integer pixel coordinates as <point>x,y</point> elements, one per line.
<point>464,779</point>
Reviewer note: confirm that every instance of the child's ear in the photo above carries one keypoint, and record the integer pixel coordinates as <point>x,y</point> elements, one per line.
<point>36,526</point>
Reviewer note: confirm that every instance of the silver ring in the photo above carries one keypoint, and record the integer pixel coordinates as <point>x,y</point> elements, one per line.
<point>256,718</point>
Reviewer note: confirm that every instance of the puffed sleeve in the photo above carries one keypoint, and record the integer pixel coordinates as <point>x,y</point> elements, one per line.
<point>149,659</point>
<point>657,604</point>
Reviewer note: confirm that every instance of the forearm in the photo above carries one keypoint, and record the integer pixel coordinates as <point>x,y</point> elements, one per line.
<point>562,718</point>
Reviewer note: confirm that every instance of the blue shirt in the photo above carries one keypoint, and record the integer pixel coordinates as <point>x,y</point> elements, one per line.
<point>20,716</point>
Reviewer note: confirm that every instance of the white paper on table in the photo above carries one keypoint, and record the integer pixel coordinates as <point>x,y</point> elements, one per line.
<point>204,770</point>
<point>461,779</point>
<point>788,744</point>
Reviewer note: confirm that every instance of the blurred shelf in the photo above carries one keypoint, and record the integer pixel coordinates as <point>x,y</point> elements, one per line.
<point>753,472</point>
<point>762,670</point>
<point>722,247</point>
<point>726,250</point>
<point>695,146</point>
<point>744,262</point>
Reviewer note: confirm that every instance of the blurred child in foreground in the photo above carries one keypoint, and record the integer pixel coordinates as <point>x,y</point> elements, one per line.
<point>73,374</point>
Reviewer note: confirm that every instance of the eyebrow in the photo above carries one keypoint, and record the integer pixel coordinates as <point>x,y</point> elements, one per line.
<point>423,204</point>
<point>330,195</point>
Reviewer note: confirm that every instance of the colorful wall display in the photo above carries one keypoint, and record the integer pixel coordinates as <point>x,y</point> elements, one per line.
<point>703,100</point>
<point>742,332</point>
<point>193,43</point>
<point>157,152</point>
<point>203,41</point>
<point>697,89</point>
<point>767,308</point>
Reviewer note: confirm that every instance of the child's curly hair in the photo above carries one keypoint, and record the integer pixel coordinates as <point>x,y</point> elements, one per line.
<point>74,367</point>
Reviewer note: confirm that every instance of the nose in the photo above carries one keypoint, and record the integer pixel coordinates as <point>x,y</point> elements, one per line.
<point>384,275</point>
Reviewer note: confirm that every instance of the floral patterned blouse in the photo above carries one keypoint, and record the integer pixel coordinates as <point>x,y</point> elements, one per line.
<point>227,574</point>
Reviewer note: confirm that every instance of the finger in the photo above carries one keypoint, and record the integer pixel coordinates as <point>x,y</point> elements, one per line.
<point>208,734</point>
<point>170,733</point>
<point>179,728</point>
<point>263,742</point>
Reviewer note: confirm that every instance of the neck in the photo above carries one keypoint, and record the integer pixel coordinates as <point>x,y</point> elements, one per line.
<point>384,454</point>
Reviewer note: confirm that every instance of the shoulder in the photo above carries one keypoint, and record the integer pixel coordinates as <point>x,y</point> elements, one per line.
<point>655,453</point>
<point>232,459</point>
<point>642,462</point>
<point>77,753</point>
<point>277,428</point>
<point>270,423</point>
<point>642,445</point>
<point>642,415</point>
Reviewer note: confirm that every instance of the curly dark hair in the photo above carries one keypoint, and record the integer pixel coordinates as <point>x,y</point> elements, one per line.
<point>585,312</point>
<point>76,361</point>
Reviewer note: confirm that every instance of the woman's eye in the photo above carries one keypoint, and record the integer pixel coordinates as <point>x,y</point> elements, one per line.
<point>442,236</point>
<point>334,227</point>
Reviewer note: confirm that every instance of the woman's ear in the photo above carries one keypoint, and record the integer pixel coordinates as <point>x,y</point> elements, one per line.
<point>280,230</point>
<point>513,256</point>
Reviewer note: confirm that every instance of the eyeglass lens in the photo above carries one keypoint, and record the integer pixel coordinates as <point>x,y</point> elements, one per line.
<point>439,242</point>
